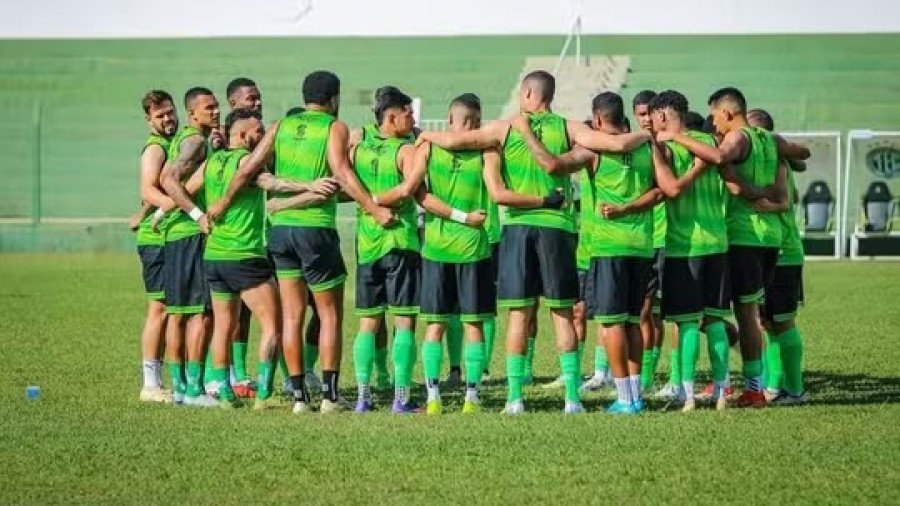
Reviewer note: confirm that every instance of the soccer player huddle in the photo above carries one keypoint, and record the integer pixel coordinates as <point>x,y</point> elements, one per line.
<point>683,220</point>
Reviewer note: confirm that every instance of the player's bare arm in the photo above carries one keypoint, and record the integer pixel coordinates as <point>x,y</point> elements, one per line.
<point>191,155</point>
<point>791,150</point>
<point>570,162</point>
<point>668,183</point>
<point>412,162</point>
<point>733,147</point>
<point>438,207</point>
<point>298,201</point>
<point>604,142</point>
<point>248,170</point>
<point>497,189</point>
<point>639,205</point>
<point>343,172</point>
<point>135,221</point>
<point>491,135</point>
<point>152,160</point>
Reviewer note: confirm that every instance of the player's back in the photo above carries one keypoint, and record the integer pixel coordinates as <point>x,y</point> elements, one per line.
<point>621,178</point>
<point>239,232</point>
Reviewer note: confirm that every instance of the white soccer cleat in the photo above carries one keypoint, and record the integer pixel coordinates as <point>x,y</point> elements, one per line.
<point>156,394</point>
<point>514,408</point>
<point>594,383</point>
<point>201,401</point>
<point>668,393</point>
<point>573,408</point>
<point>689,405</point>
<point>301,408</point>
<point>559,382</point>
<point>211,388</point>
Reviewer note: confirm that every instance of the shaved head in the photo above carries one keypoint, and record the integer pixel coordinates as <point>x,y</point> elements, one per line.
<point>730,99</point>
<point>542,84</point>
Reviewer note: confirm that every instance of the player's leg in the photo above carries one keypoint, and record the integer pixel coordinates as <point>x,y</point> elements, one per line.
<point>637,271</point>
<point>292,292</point>
<point>264,301</point>
<point>782,299</point>
<point>240,381</point>
<point>454,334</point>
<point>383,376</point>
<point>402,280</point>
<point>311,345</point>
<point>610,312</point>
<point>531,345</point>
<point>439,305</point>
<point>193,303</point>
<point>580,325</point>
<point>490,324</point>
<point>747,283</point>
<point>717,298</point>
<point>226,307</point>
<point>330,307</point>
<point>683,302</point>
<point>477,295</point>
<point>154,332</point>
<point>371,303</point>
<point>432,356</point>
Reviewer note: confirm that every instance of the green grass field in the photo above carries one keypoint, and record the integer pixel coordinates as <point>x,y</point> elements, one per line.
<point>69,323</point>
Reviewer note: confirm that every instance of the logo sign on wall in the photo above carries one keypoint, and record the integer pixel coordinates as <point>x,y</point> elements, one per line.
<point>884,162</point>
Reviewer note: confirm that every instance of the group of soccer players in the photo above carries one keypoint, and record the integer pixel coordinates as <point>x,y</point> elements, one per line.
<point>677,221</point>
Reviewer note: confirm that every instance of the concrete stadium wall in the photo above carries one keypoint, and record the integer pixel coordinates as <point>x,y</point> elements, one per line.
<point>227,18</point>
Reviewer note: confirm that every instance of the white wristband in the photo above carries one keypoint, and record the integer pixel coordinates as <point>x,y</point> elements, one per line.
<point>458,216</point>
<point>195,214</point>
<point>159,213</point>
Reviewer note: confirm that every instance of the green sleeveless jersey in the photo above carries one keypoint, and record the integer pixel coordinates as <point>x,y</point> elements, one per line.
<point>240,232</point>
<point>622,178</point>
<point>375,164</point>
<point>492,221</point>
<point>746,227</point>
<point>522,174</point>
<point>178,224</point>
<point>586,217</point>
<point>696,219</point>
<point>301,154</point>
<point>791,244</point>
<point>456,177</point>
<point>659,225</point>
<point>145,234</point>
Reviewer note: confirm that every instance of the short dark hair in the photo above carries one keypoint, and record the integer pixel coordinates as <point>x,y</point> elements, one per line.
<point>236,115</point>
<point>763,118</point>
<point>237,83</point>
<point>708,125</point>
<point>320,87</point>
<point>730,94</point>
<point>670,99</point>
<point>609,105</point>
<point>694,121</point>
<point>642,98</point>
<point>294,110</point>
<point>388,97</point>
<point>196,91</point>
<point>155,98</point>
<point>469,100</point>
<point>543,83</point>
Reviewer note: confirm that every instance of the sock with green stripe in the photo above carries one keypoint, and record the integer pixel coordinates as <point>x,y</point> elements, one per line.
<point>239,360</point>
<point>265,378</point>
<point>717,348</point>
<point>192,378</point>
<point>792,360</point>
<point>568,364</point>
<point>528,371</point>
<point>473,354</point>
<point>675,366</point>
<point>773,372</point>
<point>310,357</point>
<point>404,354</point>
<point>454,342</point>
<point>176,375</point>
<point>647,369</point>
<point>689,349</point>
<point>208,375</point>
<point>515,368</point>
<point>220,374</point>
<point>752,370</point>
<point>490,335</point>
<point>363,356</point>
<point>381,355</point>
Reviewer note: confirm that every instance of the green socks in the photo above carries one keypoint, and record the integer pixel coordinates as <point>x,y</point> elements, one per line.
<point>773,371</point>
<point>792,359</point>
<point>192,374</point>
<point>717,347</point>
<point>648,369</point>
<point>265,378</point>
<point>404,352</point>
<point>176,374</point>
<point>752,370</point>
<point>208,374</point>
<point>490,334</point>
<point>515,368</point>
<point>220,374</point>
<point>432,355</point>
<point>568,363</point>
<point>363,356</point>
<point>528,372</point>
<point>675,366</point>
<point>474,357</point>
<point>601,361</point>
<point>454,341</point>
<point>689,349</point>
<point>381,355</point>
<point>239,360</point>
<point>310,357</point>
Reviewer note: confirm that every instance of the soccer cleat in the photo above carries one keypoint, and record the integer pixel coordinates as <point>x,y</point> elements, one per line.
<point>689,405</point>
<point>177,397</point>
<point>573,408</point>
<point>559,382</point>
<point>313,382</point>
<point>301,408</point>
<point>433,408</point>
<point>485,376</point>
<point>244,389</point>
<point>621,408</point>
<point>786,399</point>
<point>211,388</point>
<point>751,399</point>
<point>156,394</point>
<point>667,392</point>
<point>514,408</point>
<point>594,383</point>
<point>383,381</point>
<point>454,379</point>
<point>363,405</point>
<point>771,395</point>
<point>722,403</point>
<point>639,406</point>
<point>470,407</point>
<point>405,408</point>
<point>272,402</point>
<point>708,393</point>
<point>337,406</point>
<point>201,401</point>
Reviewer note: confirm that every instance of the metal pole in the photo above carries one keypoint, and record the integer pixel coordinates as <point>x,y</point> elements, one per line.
<point>36,210</point>
<point>839,238</point>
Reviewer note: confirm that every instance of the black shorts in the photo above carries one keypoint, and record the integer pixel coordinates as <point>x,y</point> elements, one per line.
<point>465,289</point>
<point>310,253</point>
<point>783,294</point>
<point>187,291</point>
<point>390,284</point>
<point>751,269</point>
<point>655,277</point>
<point>228,278</point>
<point>696,286</point>
<point>537,261</point>
<point>618,286</point>
<point>152,270</point>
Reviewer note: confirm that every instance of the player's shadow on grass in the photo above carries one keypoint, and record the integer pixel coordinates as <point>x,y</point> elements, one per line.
<point>833,388</point>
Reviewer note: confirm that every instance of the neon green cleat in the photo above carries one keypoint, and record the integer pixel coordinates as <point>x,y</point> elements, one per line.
<point>433,408</point>
<point>471,407</point>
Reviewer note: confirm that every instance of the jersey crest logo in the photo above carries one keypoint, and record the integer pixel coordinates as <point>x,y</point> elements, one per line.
<point>300,133</point>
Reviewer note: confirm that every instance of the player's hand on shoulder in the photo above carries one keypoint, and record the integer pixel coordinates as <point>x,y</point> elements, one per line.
<point>520,122</point>
<point>476,219</point>
<point>135,221</point>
